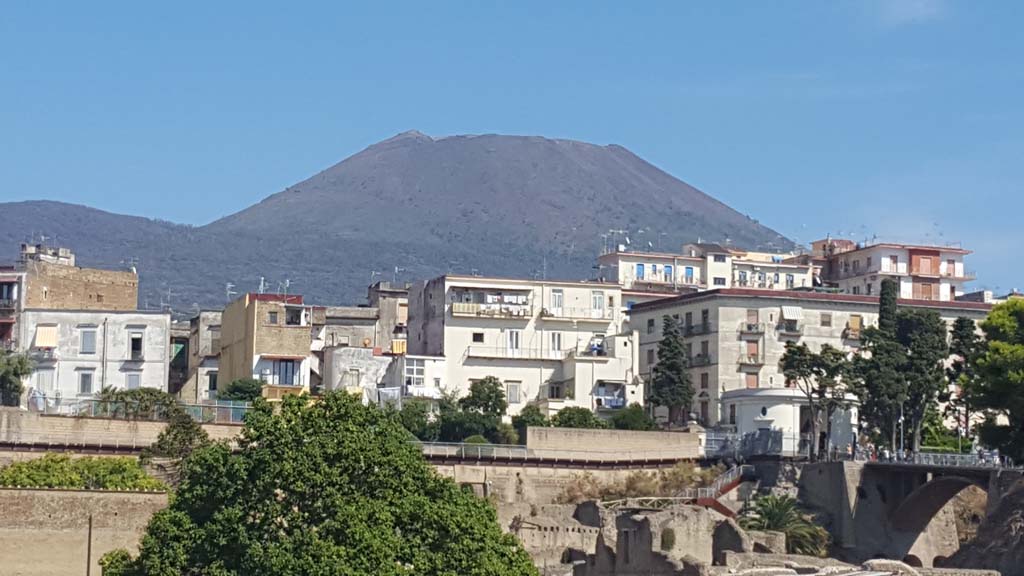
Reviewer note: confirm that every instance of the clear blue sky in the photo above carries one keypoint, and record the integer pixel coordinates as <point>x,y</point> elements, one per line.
<point>898,118</point>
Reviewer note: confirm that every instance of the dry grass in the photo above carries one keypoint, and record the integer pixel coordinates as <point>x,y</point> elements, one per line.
<point>640,484</point>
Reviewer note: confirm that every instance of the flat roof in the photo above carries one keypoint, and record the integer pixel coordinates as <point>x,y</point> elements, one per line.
<point>659,255</point>
<point>598,283</point>
<point>77,311</point>
<point>932,248</point>
<point>802,296</point>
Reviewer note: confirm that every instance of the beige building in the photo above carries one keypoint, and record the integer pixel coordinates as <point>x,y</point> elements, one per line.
<point>553,343</point>
<point>267,337</point>
<point>203,357</point>
<point>736,337</point>
<point>924,272</point>
<point>54,282</point>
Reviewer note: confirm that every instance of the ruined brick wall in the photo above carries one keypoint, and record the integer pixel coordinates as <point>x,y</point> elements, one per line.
<point>59,287</point>
<point>46,532</point>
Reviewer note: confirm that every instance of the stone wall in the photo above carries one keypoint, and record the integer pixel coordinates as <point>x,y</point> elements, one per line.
<point>46,532</point>
<point>680,445</point>
<point>19,426</point>
<point>60,287</point>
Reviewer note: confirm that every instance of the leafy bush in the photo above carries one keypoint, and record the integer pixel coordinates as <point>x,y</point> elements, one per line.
<point>91,473</point>
<point>506,434</point>
<point>577,417</point>
<point>530,415</point>
<point>633,418</point>
<point>476,439</point>
<point>243,390</point>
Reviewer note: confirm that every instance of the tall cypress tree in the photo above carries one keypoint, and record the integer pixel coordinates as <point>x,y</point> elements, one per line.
<point>670,382</point>
<point>965,348</point>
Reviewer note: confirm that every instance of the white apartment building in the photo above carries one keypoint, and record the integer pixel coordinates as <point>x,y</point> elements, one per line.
<point>647,276</point>
<point>79,353</point>
<point>736,338</point>
<point>923,272</point>
<point>553,343</point>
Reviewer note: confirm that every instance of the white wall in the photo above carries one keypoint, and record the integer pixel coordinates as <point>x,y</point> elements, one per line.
<point>111,363</point>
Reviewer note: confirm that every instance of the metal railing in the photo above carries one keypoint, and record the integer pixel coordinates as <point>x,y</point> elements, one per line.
<point>790,329</point>
<point>713,491</point>
<point>515,353</point>
<point>700,360</point>
<point>495,310</point>
<point>751,359</point>
<point>210,412</point>
<point>577,313</point>
<point>942,459</point>
<point>518,452</point>
<point>695,329</point>
<point>752,328</point>
<point>8,303</point>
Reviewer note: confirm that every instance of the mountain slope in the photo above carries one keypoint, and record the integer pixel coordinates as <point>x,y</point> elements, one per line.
<point>507,205</point>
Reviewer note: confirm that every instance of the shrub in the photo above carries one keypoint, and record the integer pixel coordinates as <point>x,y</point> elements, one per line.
<point>87,473</point>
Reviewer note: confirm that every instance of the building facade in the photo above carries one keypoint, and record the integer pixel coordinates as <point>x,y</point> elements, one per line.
<point>556,344</point>
<point>203,357</point>
<point>267,337</point>
<point>78,353</point>
<point>54,282</point>
<point>923,272</point>
<point>735,338</point>
<point>11,290</point>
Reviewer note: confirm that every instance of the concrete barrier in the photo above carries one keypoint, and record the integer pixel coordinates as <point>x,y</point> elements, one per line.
<point>567,442</point>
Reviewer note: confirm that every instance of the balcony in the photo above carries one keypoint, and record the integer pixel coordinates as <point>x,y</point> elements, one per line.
<point>505,353</point>
<point>44,354</point>
<point>751,360</point>
<point>752,328</point>
<point>578,314</point>
<point>612,402</point>
<point>493,310</point>
<point>700,360</point>
<point>421,391</point>
<point>965,275</point>
<point>790,328</point>
<point>8,303</point>
<point>696,329</point>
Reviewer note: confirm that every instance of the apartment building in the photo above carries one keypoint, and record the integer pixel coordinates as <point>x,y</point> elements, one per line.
<point>735,338</point>
<point>267,337</point>
<point>553,343</point>
<point>203,357</point>
<point>924,272</point>
<point>12,282</point>
<point>392,303</point>
<point>648,276</point>
<point>78,353</point>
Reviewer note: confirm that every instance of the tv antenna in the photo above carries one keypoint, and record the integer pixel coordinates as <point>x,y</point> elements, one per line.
<point>228,292</point>
<point>263,285</point>
<point>394,276</point>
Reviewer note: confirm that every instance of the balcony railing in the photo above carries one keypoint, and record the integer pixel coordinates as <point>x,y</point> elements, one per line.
<point>852,333</point>
<point>136,356</point>
<point>44,354</point>
<point>514,353</point>
<point>610,401</point>
<point>8,303</point>
<point>601,314</point>
<point>498,310</point>
<point>695,329</point>
<point>963,275</point>
<point>700,360</point>
<point>751,328</point>
<point>790,329</point>
<point>751,360</point>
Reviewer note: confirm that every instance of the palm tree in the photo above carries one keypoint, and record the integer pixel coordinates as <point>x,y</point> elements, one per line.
<point>781,514</point>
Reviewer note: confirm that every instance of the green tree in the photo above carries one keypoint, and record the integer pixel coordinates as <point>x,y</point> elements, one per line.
<point>415,417</point>
<point>1000,389</point>
<point>670,380</point>
<point>86,473</point>
<point>922,334</point>
<point>486,397</point>
<point>530,415</point>
<point>506,434</point>
<point>135,404</point>
<point>819,375</point>
<point>182,436</point>
<point>965,348</point>
<point>13,369</point>
<point>633,418</point>
<point>329,488</point>
<point>576,417</point>
<point>242,390</point>
<point>781,514</point>
<point>877,374</point>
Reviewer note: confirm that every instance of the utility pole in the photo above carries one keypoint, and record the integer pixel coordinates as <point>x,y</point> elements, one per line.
<point>88,550</point>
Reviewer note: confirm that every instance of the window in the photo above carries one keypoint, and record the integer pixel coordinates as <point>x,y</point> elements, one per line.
<point>654,270</point>
<point>856,289</point>
<point>719,257</point>
<point>513,392</point>
<point>272,317</point>
<point>44,381</point>
<point>650,356</point>
<point>513,338</point>
<point>688,349</point>
<point>88,345</point>
<point>790,280</point>
<point>704,411</point>
<point>557,298</point>
<point>668,273</point>
<point>285,372</point>
<point>556,341</point>
<point>867,289</point>
<point>752,380</point>
<point>414,370</point>
<point>639,271</point>
<point>597,300</point>
<point>478,337</point>
<point>688,319</point>
<point>85,383</point>
<point>743,278</point>
<point>704,348</point>
<point>704,381</point>
<point>826,320</point>
<point>688,274</point>
<point>705,316</point>
<point>135,344</point>
<point>868,263</point>
<point>650,325</point>
<point>752,316</point>
<point>211,381</point>
<point>894,263</point>
<point>732,414</point>
<point>719,281</point>
<point>133,380</point>
<point>293,316</point>
<point>856,266</point>
<point>555,391</point>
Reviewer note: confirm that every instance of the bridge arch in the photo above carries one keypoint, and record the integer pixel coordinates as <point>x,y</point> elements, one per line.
<point>919,507</point>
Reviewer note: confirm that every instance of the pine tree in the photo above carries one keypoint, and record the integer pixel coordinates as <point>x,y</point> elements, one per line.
<point>922,333</point>
<point>878,370</point>
<point>965,347</point>
<point>670,383</point>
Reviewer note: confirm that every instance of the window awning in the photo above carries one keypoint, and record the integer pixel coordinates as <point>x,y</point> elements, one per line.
<point>855,322</point>
<point>46,337</point>
<point>791,312</point>
<point>281,357</point>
